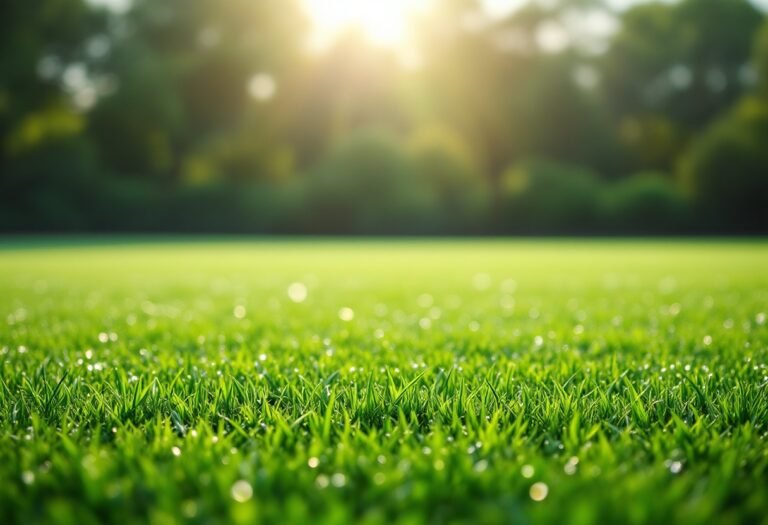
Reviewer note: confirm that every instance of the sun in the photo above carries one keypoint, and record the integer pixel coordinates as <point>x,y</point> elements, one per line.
<point>383,22</point>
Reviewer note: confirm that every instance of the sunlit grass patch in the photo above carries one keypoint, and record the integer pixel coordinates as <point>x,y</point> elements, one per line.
<point>380,382</point>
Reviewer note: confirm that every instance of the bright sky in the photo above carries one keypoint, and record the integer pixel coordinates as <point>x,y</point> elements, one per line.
<point>384,22</point>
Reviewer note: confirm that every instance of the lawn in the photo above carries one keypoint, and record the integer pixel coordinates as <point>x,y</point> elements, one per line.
<point>381,382</point>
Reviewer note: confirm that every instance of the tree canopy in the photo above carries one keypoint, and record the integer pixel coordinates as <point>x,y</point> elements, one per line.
<point>110,119</point>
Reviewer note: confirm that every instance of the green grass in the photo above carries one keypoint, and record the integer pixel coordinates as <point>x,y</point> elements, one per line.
<point>178,382</point>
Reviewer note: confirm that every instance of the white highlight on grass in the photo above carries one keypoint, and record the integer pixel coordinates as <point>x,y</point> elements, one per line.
<point>297,292</point>
<point>570,466</point>
<point>338,480</point>
<point>539,491</point>
<point>346,314</point>
<point>241,491</point>
<point>425,300</point>
<point>481,281</point>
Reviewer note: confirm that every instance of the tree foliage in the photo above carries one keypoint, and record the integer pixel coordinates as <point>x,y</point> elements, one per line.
<point>224,114</point>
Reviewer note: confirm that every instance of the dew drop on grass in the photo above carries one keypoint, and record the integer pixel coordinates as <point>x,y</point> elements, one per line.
<point>189,508</point>
<point>570,466</point>
<point>507,303</point>
<point>508,286</point>
<point>241,491</point>
<point>425,300</point>
<point>297,292</point>
<point>481,281</point>
<point>527,471</point>
<point>176,451</point>
<point>675,467</point>
<point>28,477</point>
<point>239,311</point>
<point>380,309</point>
<point>313,462</point>
<point>346,314</point>
<point>322,481</point>
<point>539,491</point>
<point>338,480</point>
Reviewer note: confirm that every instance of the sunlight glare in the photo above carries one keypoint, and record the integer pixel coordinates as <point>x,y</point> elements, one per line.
<point>385,23</point>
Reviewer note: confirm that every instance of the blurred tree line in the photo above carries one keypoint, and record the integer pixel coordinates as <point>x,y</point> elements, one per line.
<point>212,116</point>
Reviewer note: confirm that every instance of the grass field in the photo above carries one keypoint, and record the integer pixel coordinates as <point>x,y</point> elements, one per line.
<point>383,382</point>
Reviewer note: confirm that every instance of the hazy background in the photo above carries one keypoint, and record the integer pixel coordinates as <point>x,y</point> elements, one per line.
<point>374,117</point>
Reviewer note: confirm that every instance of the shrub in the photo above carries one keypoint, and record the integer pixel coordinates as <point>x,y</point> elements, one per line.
<point>647,203</point>
<point>52,187</point>
<point>442,160</point>
<point>218,207</point>
<point>365,185</point>
<point>546,197</point>
<point>726,169</point>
